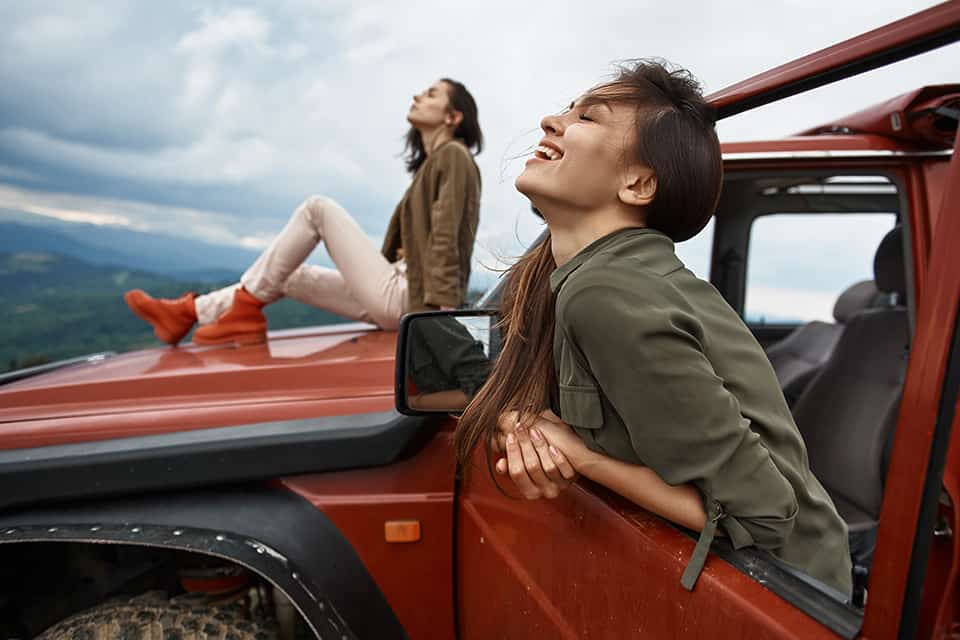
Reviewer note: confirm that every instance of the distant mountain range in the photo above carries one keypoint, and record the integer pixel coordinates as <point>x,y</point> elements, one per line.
<point>173,257</point>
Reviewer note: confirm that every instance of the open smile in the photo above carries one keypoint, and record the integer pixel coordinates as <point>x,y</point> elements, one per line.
<point>547,151</point>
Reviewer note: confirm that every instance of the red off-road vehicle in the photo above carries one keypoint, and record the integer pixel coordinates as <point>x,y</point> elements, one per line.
<point>246,492</point>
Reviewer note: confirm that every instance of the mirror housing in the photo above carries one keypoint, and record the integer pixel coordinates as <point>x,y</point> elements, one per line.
<point>443,358</point>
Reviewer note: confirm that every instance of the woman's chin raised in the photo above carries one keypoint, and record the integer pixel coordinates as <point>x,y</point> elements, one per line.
<point>523,183</point>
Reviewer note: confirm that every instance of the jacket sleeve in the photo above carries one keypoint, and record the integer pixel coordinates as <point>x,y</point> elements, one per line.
<point>441,264</point>
<point>644,348</point>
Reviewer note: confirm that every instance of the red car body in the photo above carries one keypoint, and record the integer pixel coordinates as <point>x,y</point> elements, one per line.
<point>590,563</point>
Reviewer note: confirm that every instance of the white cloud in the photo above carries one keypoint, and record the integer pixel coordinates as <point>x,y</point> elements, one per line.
<point>212,226</point>
<point>87,217</point>
<point>236,27</point>
<point>198,84</point>
<point>211,159</point>
<point>72,28</point>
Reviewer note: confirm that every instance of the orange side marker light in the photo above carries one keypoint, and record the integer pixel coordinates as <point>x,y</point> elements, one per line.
<point>401,530</point>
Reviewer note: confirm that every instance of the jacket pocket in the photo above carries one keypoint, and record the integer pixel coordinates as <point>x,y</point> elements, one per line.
<point>580,406</point>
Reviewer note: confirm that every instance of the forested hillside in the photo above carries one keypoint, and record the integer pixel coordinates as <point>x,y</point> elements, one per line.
<point>54,306</point>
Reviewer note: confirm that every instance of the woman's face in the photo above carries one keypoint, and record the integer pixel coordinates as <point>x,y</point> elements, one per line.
<point>579,162</point>
<point>430,107</point>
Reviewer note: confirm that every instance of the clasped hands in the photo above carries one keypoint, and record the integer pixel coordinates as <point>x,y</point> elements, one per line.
<point>539,453</point>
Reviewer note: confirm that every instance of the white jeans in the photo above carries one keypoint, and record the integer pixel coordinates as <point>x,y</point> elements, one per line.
<point>364,286</point>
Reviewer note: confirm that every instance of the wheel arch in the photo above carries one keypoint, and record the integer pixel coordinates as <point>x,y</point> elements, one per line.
<point>272,532</point>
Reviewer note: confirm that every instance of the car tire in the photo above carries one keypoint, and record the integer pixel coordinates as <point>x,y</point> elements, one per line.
<point>152,616</point>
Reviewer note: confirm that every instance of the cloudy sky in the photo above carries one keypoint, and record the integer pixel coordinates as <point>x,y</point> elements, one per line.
<point>215,119</point>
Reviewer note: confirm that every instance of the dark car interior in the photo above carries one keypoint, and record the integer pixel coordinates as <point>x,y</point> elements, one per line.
<point>848,410</point>
<point>799,357</point>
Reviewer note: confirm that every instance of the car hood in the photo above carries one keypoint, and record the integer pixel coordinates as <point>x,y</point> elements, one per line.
<point>335,370</point>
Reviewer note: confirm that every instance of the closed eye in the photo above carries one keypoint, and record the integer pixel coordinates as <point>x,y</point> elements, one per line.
<point>584,116</point>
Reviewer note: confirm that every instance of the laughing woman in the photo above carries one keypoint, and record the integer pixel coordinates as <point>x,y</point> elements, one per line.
<point>424,262</point>
<point>619,364</point>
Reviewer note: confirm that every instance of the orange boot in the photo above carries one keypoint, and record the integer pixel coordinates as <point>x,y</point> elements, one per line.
<point>171,319</point>
<point>244,323</point>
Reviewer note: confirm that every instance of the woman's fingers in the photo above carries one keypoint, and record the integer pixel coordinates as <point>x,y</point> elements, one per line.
<point>518,471</point>
<point>542,448</point>
<point>533,465</point>
<point>563,465</point>
<point>536,466</point>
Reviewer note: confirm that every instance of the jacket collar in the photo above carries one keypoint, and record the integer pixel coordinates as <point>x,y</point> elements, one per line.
<point>660,246</point>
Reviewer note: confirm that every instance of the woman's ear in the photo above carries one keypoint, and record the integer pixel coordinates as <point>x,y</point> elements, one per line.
<point>639,186</point>
<point>453,119</point>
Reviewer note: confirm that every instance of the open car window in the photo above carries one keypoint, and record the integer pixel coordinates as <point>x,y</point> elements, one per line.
<point>798,264</point>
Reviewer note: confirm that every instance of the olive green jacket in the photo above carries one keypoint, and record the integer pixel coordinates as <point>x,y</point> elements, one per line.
<point>435,223</point>
<point>655,368</point>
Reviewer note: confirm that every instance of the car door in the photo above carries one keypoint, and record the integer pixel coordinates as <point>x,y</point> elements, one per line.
<point>589,564</point>
<point>915,574</point>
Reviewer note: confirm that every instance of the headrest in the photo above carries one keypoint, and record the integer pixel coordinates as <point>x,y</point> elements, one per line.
<point>855,299</point>
<point>888,268</point>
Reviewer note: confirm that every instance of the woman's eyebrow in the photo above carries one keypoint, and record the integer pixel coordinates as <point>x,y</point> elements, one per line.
<point>605,103</point>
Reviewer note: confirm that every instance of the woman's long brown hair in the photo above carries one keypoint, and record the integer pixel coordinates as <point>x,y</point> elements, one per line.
<point>523,374</point>
<point>675,136</point>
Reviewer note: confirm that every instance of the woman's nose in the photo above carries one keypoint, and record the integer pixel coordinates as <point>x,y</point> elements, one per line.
<point>552,124</point>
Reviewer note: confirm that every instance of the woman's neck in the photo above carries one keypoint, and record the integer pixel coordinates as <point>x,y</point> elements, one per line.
<point>572,231</point>
<point>433,138</point>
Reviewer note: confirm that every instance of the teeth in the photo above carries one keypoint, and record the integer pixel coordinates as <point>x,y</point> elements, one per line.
<point>552,154</point>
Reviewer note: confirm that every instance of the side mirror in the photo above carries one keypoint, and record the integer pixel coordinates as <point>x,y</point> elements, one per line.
<point>443,358</point>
